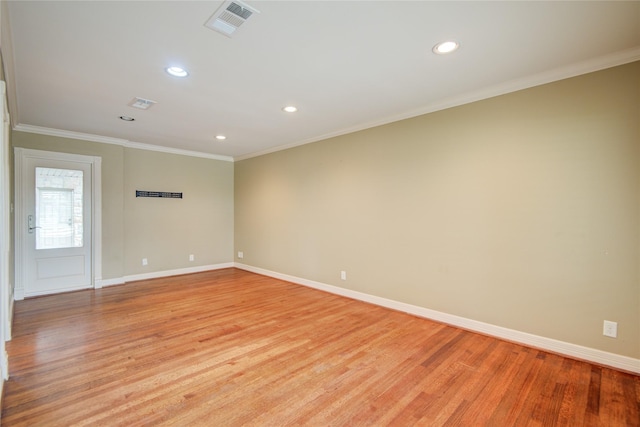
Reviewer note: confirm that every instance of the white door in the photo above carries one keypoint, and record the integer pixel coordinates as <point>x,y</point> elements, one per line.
<point>56,224</point>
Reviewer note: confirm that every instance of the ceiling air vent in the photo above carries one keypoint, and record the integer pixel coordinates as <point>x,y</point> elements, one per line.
<point>229,17</point>
<point>141,103</point>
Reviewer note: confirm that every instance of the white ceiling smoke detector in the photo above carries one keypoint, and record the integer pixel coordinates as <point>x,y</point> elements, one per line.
<point>230,16</point>
<point>141,103</point>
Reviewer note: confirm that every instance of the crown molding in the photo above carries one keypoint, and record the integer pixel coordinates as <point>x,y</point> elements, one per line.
<point>151,147</point>
<point>116,141</point>
<point>68,134</point>
<point>550,76</point>
<point>574,70</point>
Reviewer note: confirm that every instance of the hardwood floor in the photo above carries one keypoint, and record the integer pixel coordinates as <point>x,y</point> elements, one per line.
<point>231,348</point>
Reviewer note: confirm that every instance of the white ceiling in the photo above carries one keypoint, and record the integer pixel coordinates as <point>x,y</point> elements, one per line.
<point>76,65</point>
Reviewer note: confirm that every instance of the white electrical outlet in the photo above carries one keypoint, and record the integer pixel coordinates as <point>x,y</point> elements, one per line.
<point>191,257</point>
<point>343,275</point>
<point>240,254</point>
<point>144,261</point>
<point>610,329</point>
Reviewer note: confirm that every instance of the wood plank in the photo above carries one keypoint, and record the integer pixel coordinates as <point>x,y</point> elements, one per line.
<point>233,348</point>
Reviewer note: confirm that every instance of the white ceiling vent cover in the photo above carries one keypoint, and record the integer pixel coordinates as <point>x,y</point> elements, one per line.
<point>141,103</point>
<point>230,16</point>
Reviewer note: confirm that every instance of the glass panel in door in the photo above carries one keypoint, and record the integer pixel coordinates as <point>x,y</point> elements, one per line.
<point>58,210</point>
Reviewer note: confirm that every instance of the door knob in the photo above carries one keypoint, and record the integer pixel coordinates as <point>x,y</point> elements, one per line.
<point>31,226</point>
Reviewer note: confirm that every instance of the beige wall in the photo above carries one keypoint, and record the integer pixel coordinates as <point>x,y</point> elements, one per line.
<point>522,210</point>
<point>167,231</point>
<point>164,231</point>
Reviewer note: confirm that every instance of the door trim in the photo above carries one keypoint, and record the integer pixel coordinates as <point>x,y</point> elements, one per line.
<point>21,154</point>
<point>6,295</point>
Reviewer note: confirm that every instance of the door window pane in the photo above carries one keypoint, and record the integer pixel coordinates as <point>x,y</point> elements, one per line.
<point>58,208</point>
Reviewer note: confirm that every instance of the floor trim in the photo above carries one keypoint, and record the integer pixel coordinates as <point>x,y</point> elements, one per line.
<point>177,272</point>
<point>600,357</point>
<point>159,274</point>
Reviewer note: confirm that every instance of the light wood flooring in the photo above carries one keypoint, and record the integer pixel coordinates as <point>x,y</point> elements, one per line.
<point>232,348</point>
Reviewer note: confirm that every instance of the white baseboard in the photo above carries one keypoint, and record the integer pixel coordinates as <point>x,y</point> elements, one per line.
<point>5,368</point>
<point>101,283</point>
<point>177,272</point>
<point>572,350</point>
<point>9,331</point>
<point>1,391</point>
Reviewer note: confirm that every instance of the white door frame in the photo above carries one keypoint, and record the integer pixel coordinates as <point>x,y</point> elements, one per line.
<point>6,302</point>
<point>21,154</point>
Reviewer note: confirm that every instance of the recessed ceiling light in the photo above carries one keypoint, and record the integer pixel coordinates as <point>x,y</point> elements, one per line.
<point>446,47</point>
<point>290,109</point>
<point>221,137</point>
<point>177,71</point>
<point>127,118</point>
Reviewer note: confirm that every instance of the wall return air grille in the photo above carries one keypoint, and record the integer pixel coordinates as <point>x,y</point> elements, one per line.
<point>230,16</point>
